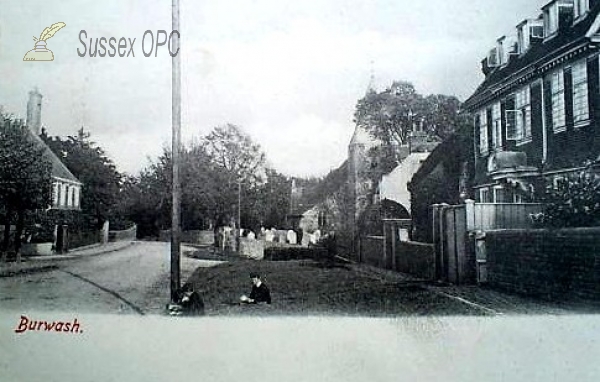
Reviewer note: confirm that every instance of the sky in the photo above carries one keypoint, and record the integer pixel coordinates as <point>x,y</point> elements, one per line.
<point>288,72</point>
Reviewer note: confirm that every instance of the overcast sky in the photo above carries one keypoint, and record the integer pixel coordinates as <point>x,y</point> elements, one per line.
<point>288,72</point>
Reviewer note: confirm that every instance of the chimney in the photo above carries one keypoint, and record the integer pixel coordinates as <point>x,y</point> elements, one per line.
<point>485,67</point>
<point>34,112</point>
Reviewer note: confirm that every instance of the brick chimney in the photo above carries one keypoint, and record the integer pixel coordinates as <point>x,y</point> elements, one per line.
<point>34,111</point>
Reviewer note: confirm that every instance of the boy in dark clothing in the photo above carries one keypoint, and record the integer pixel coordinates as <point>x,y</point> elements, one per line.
<point>259,293</point>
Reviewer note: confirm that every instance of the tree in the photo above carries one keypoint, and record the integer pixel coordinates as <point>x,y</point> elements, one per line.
<point>25,177</point>
<point>391,115</point>
<point>233,151</point>
<point>240,167</point>
<point>89,163</point>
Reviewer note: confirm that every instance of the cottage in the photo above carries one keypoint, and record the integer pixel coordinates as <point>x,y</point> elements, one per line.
<point>66,188</point>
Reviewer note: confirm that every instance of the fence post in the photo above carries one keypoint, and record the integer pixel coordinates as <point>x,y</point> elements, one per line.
<point>470,214</point>
<point>394,232</point>
<point>435,227</point>
<point>384,247</point>
<point>104,232</point>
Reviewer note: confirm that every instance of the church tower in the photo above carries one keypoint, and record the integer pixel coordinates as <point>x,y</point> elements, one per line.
<point>359,163</point>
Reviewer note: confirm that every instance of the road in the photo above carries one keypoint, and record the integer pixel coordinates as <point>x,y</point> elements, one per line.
<point>132,280</point>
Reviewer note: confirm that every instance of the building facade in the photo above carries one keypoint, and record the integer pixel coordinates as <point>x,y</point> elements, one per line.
<point>536,114</point>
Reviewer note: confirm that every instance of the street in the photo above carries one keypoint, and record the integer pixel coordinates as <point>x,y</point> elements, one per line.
<point>132,280</point>
<point>135,280</point>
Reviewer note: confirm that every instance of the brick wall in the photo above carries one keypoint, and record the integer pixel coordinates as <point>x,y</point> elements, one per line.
<point>553,264</point>
<point>416,259</point>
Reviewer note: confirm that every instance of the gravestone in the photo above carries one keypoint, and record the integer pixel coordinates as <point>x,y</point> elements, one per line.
<point>291,237</point>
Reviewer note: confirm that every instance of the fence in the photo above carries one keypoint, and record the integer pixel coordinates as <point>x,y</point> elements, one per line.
<point>454,240</point>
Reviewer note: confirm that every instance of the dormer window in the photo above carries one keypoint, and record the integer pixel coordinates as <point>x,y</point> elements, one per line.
<point>556,15</point>
<point>551,20</point>
<point>580,9</point>
<point>500,50</point>
<point>528,32</point>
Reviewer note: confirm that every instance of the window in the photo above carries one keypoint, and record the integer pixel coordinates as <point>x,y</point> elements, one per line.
<point>517,197</point>
<point>523,37</point>
<point>55,194</point>
<point>58,195</point>
<point>67,190</point>
<point>483,132</point>
<point>484,195</point>
<point>557,99</point>
<point>496,126</point>
<point>580,92</point>
<point>551,20</point>
<point>581,7</point>
<point>523,116</point>
<point>500,195</point>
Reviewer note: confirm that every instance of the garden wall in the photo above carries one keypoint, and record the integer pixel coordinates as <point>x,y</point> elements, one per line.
<point>416,259</point>
<point>128,234</point>
<point>553,264</point>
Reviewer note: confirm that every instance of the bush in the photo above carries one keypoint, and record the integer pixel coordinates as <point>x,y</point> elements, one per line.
<point>573,201</point>
<point>294,253</point>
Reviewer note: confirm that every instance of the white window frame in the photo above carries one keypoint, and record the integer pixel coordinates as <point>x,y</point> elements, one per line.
<point>483,132</point>
<point>55,193</point>
<point>580,9</point>
<point>495,190</point>
<point>523,117</point>
<point>551,20</point>
<point>557,101</point>
<point>76,197</point>
<point>484,194</point>
<point>580,92</point>
<point>497,126</point>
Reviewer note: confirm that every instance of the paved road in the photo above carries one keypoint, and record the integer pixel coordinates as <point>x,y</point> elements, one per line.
<point>132,280</point>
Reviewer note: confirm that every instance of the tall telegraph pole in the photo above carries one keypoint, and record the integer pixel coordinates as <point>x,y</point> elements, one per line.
<point>176,137</point>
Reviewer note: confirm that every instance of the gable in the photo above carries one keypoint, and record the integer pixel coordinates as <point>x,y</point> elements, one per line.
<point>59,170</point>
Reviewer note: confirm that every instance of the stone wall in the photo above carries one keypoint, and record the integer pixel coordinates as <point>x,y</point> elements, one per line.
<point>553,264</point>
<point>253,249</point>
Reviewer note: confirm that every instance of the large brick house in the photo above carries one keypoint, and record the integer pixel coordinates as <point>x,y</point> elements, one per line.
<point>536,114</point>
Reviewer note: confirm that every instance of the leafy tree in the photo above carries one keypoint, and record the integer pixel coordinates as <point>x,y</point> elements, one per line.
<point>25,177</point>
<point>233,151</point>
<point>391,115</point>
<point>215,170</point>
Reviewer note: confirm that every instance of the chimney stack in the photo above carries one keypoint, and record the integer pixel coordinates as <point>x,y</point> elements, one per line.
<point>34,112</point>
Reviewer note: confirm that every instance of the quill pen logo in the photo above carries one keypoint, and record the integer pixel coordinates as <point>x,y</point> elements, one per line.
<point>39,51</point>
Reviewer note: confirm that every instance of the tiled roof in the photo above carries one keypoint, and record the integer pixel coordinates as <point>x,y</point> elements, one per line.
<point>533,61</point>
<point>59,169</point>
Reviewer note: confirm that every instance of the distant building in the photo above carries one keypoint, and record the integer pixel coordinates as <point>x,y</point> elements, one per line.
<point>536,114</point>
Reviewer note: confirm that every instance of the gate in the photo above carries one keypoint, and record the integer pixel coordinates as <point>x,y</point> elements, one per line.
<point>454,229</point>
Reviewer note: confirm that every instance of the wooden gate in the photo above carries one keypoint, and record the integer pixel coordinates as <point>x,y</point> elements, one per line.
<point>454,229</point>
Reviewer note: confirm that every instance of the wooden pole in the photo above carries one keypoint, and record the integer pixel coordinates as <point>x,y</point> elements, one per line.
<point>176,144</point>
